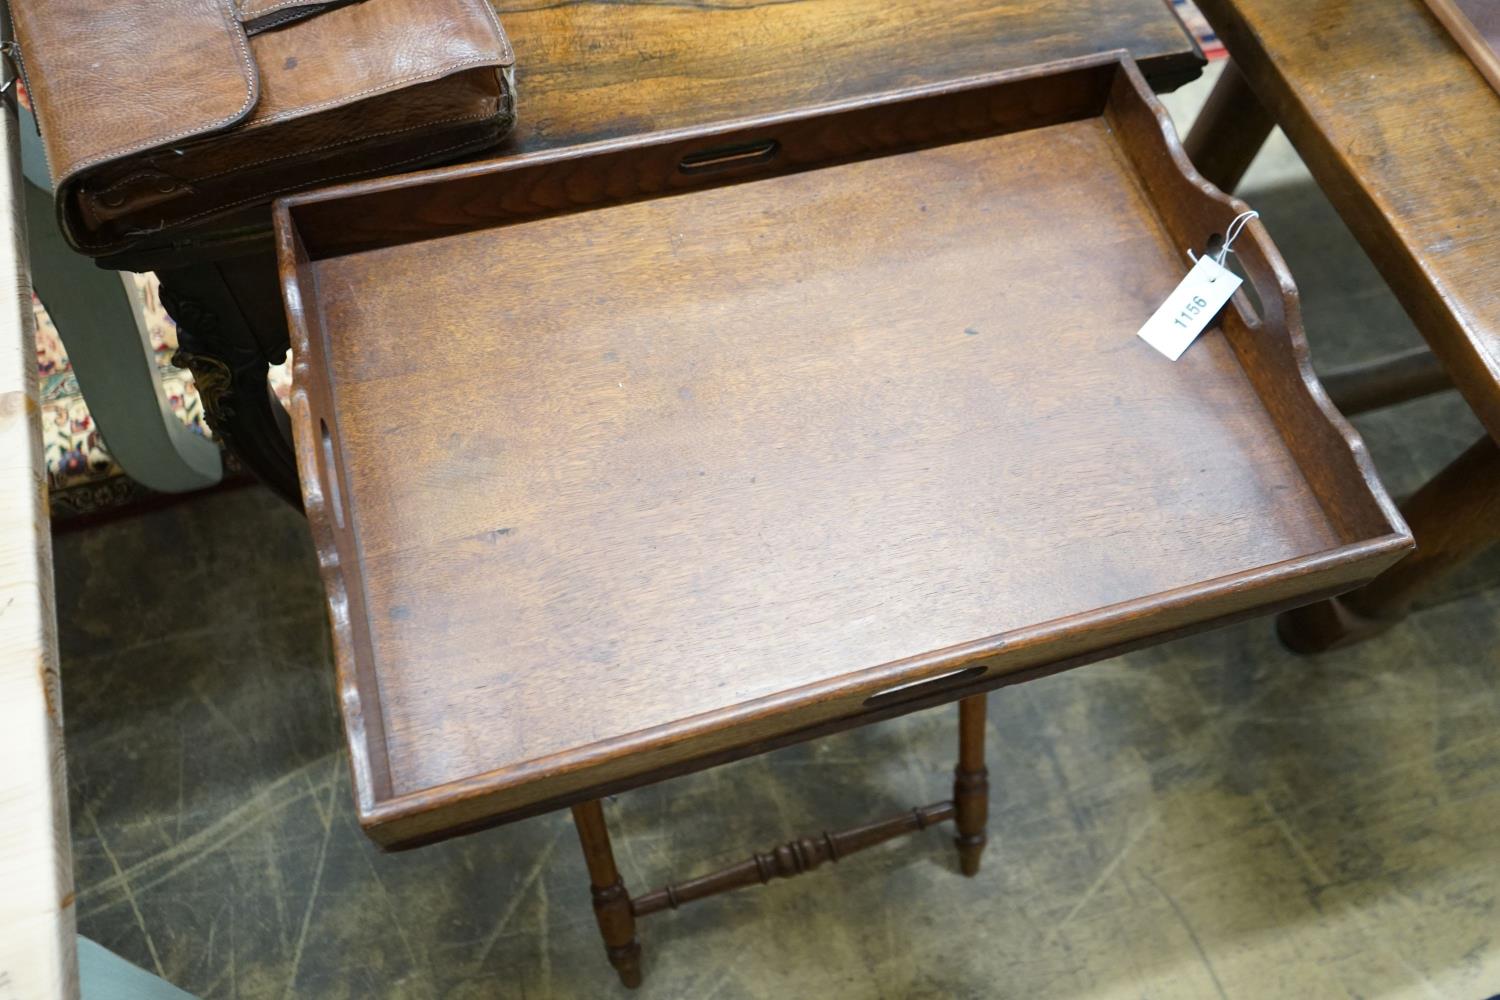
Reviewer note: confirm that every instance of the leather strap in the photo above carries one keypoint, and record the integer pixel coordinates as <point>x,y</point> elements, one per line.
<point>263,15</point>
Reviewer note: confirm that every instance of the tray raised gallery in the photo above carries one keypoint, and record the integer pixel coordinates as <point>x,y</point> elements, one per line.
<point>627,459</point>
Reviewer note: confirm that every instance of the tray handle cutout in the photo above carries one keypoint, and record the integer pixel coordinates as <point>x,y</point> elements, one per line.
<point>743,154</point>
<point>930,685</point>
<point>330,473</point>
<point>1265,326</point>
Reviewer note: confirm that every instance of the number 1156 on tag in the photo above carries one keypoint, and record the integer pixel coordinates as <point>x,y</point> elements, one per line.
<point>1190,307</point>
<point>1193,309</point>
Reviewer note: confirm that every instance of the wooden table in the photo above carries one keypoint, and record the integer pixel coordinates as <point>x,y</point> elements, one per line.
<point>1402,132</point>
<point>596,71</point>
<point>780,427</point>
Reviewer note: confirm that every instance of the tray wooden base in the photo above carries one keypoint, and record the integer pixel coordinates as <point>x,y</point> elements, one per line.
<point>616,910</point>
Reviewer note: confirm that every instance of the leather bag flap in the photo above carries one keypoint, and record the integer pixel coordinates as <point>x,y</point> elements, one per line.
<point>112,77</point>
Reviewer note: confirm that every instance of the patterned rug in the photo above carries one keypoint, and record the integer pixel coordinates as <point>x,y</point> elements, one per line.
<point>1199,26</point>
<point>83,479</point>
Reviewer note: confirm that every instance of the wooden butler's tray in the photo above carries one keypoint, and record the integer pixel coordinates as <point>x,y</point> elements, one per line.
<point>626,459</point>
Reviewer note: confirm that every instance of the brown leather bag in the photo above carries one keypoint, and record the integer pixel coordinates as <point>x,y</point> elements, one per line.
<point>167,114</point>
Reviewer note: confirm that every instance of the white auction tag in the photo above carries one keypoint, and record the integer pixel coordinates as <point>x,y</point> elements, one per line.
<point>1192,306</point>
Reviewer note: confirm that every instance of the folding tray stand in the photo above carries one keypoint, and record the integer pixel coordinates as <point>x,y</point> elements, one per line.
<point>782,427</point>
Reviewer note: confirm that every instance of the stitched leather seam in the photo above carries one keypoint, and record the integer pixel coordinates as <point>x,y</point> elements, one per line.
<point>153,173</point>
<point>507,53</point>
<point>238,34</point>
<point>429,154</point>
<point>489,10</point>
<point>275,7</point>
<point>427,77</point>
<point>348,142</point>
<point>135,177</point>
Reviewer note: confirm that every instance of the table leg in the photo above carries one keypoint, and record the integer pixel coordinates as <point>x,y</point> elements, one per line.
<point>1395,378</point>
<point>971,784</point>
<point>611,901</point>
<point>1454,517</point>
<point>1229,131</point>
<point>230,329</point>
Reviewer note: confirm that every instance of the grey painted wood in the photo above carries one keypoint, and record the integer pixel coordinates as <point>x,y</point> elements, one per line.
<point>103,975</point>
<point>95,311</point>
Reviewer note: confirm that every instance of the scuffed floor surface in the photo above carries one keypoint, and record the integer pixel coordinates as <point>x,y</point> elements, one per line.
<point>1215,817</point>
<point>1212,818</point>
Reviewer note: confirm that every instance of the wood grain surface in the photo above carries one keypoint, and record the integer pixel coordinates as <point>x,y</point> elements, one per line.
<point>746,458</point>
<point>1403,134</point>
<point>1475,25</point>
<point>743,448</point>
<point>598,71</point>
<point>37,939</point>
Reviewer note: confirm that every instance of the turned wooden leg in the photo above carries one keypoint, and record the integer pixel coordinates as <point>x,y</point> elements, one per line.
<point>971,785</point>
<point>796,857</point>
<point>1454,517</point>
<point>611,901</point>
<point>1228,132</point>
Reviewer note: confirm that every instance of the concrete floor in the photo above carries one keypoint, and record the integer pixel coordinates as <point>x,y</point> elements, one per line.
<point>1214,817</point>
